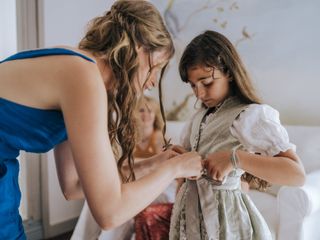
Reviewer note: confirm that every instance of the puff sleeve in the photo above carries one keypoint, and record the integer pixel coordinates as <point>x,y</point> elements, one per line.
<point>259,130</point>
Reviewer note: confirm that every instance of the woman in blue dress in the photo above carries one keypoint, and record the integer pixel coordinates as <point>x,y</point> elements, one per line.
<point>80,102</point>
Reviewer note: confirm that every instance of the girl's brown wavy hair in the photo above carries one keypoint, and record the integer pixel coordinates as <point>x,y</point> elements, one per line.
<point>114,37</point>
<point>212,49</point>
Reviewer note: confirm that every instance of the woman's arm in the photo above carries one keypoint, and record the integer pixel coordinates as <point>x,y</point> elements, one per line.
<point>83,101</point>
<point>69,179</point>
<point>67,173</point>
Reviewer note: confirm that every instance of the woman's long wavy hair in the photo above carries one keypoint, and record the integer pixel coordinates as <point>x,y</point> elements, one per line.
<point>212,49</point>
<point>114,37</point>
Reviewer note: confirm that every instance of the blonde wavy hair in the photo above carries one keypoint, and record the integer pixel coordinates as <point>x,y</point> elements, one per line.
<point>114,37</point>
<point>212,49</point>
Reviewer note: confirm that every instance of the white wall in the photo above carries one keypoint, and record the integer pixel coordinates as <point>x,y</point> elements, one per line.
<point>282,54</point>
<point>65,21</point>
<point>8,28</point>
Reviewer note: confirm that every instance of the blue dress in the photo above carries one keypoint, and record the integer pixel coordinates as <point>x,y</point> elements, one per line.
<point>29,129</point>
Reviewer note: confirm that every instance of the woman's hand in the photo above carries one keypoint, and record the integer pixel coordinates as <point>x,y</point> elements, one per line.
<point>172,151</point>
<point>143,166</point>
<point>187,165</point>
<point>167,154</point>
<point>182,150</point>
<point>218,165</point>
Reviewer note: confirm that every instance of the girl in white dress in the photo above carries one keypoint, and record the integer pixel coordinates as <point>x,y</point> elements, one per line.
<point>238,137</point>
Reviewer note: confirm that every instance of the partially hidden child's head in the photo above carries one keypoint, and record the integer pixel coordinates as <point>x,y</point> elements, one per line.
<point>212,66</point>
<point>148,113</point>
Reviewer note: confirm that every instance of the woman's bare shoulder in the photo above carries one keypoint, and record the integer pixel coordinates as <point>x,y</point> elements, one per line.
<point>76,72</point>
<point>49,76</point>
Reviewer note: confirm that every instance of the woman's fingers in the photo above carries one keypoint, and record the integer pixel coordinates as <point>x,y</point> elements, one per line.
<point>172,153</point>
<point>189,165</point>
<point>169,153</point>
<point>178,149</point>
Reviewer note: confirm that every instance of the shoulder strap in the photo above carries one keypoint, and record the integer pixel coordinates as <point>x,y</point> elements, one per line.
<point>45,52</point>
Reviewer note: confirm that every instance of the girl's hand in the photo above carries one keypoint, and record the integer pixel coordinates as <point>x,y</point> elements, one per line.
<point>218,165</point>
<point>187,165</point>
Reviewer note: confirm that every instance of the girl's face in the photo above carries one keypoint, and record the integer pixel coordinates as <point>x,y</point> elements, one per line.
<point>209,85</point>
<point>150,66</point>
<point>147,115</point>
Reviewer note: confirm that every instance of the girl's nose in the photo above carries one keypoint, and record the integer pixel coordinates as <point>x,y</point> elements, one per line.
<point>200,93</point>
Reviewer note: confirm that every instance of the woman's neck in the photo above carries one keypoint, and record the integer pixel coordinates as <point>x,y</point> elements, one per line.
<point>106,73</point>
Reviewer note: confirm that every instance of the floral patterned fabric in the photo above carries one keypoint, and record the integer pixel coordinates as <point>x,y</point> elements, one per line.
<point>153,223</point>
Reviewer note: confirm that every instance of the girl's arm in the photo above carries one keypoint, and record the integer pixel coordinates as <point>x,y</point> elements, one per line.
<point>259,130</point>
<point>83,101</point>
<point>283,169</point>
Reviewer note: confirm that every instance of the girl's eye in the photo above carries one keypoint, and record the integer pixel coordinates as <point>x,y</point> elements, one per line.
<point>207,83</point>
